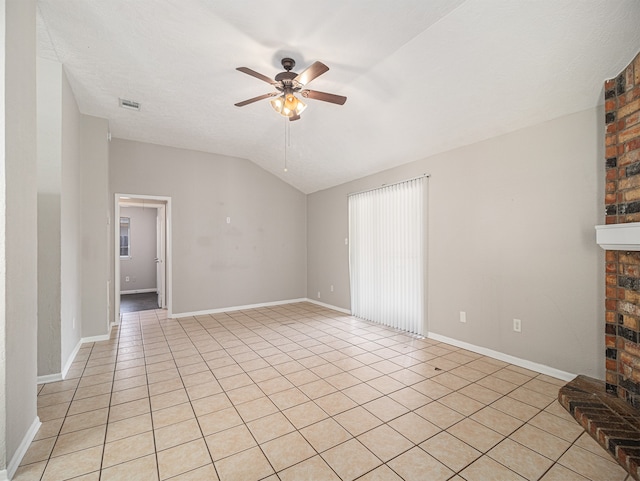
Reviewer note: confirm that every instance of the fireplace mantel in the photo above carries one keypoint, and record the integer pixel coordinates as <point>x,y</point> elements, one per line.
<point>619,237</point>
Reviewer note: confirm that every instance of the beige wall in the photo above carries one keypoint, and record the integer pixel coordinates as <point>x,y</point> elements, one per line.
<point>49,99</point>
<point>18,231</point>
<point>70,276</point>
<point>95,232</point>
<point>510,236</point>
<point>259,257</point>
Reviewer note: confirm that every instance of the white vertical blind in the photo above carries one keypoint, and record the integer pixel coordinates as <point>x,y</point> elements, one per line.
<point>386,255</point>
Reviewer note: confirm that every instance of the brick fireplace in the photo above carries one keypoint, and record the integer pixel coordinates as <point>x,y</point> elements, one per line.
<point>610,411</point>
<point>622,205</point>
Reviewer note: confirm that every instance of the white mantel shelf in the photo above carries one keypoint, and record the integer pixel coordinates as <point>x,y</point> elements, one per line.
<point>619,237</point>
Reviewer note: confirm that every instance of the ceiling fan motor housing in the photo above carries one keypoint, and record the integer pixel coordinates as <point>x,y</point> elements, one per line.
<point>288,63</point>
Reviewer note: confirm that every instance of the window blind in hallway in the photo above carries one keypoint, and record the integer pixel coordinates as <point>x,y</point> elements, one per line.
<point>386,255</point>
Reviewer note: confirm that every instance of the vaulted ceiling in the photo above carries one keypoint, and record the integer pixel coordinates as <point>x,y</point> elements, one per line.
<point>421,77</point>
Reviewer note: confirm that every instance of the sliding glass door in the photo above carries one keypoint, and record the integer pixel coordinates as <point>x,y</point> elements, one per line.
<point>387,255</point>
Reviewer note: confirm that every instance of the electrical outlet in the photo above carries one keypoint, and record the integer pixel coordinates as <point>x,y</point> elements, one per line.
<point>463,316</point>
<point>126,279</point>
<point>73,323</point>
<point>517,325</point>
<point>318,294</point>
<point>331,287</point>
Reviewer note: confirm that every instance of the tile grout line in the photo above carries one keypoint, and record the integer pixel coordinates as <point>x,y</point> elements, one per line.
<point>331,338</point>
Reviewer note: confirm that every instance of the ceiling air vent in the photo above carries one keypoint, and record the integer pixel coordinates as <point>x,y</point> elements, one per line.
<point>129,104</point>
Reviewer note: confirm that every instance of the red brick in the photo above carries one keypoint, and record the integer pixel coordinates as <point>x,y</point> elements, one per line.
<point>631,195</point>
<point>629,133</point>
<point>632,348</point>
<point>629,77</point>
<point>629,158</point>
<point>611,304</point>
<point>631,120</point>
<point>630,323</point>
<point>632,94</point>
<point>628,109</point>
<point>626,307</point>
<point>630,258</point>
<point>631,145</point>
<point>628,182</point>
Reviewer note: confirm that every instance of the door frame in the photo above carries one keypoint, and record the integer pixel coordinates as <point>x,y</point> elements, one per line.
<point>147,201</point>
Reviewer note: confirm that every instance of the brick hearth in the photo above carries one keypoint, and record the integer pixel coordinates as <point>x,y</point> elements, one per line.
<point>612,422</point>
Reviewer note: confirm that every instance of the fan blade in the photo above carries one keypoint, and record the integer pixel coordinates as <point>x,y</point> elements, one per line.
<point>257,75</point>
<point>255,99</point>
<point>315,70</point>
<point>314,94</point>
<point>294,117</point>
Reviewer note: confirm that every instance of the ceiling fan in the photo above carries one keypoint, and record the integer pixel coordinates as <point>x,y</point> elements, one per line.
<point>288,83</point>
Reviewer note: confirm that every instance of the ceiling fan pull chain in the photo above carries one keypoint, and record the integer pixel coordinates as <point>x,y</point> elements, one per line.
<point>286,141</point>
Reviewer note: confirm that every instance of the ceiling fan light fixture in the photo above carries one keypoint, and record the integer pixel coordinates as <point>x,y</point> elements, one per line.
<point>277,104</point>
<point>288,105</point>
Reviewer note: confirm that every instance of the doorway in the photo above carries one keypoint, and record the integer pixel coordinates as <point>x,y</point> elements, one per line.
<point>142,266</point>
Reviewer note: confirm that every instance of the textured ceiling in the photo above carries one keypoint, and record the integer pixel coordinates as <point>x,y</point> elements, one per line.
<point>421,76</point>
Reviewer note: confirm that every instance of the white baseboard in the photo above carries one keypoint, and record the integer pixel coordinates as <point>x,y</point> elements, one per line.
<point>329,306</point>
<point>140,291</point>
<point>533,366</point>
<point>49,378</point>
<point>102,337</point>
<point>72,356</point>
<point>22,449</point>
<point>177,315</point>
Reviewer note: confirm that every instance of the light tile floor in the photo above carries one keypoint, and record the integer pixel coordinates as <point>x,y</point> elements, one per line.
<point>299,392</point>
